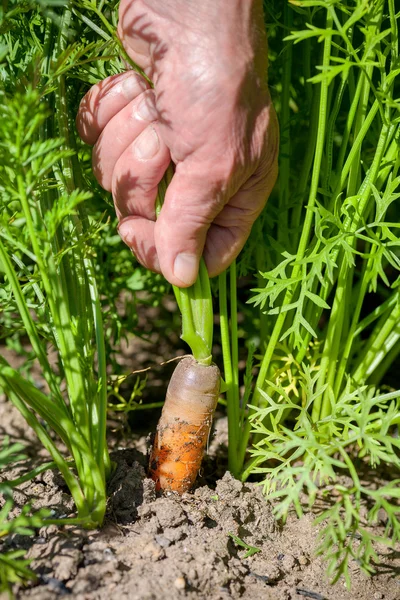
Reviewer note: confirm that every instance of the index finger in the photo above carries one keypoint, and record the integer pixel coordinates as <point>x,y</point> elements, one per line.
<point>104,100</point>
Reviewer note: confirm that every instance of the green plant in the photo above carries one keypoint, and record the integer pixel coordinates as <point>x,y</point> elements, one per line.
<point>323,321</point>
<point>250,550</point>
<point>328,260</point>
<point>14,568</point>
<point>62,272</point>
<point>46,261</point>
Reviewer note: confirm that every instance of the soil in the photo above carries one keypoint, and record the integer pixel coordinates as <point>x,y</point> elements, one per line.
<point>156,547</point>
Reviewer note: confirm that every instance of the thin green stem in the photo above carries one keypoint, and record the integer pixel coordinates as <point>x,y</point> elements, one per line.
<point>85,289</point>
<point>234,337</point>
<point>383,338</point>
<point>61,319</point>
<point>314,121</point>
<point>194,322</point>
<point>284,155</point>
<point>49,445</point>
<point>355,149</point>
<point>387,361</point>
<point>30,325</point>
<point>48,466</point>
<point>331,347</point>
<point>233,422</point>
<point>304,240</point>
<point>377,312</point>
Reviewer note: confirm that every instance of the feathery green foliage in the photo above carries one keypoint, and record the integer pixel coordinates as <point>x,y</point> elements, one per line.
<point>46,253</point>
<point>327,251</point>
<point>14,568</point>
<point>325,255</point>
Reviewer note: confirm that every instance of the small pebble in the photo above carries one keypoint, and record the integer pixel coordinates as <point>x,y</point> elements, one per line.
<point>40,540</point>
<point>162,541</point>
<point>108,554</point>
<point>180,583</point>
<point>153,551</point>
<point>303,560</point>
<point>289,563</point>
<point>55,585</point>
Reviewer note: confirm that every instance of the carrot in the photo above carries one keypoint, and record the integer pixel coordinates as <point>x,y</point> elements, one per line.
<point>184,426</point>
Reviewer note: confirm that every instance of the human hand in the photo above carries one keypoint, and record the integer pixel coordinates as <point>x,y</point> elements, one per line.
<point>210,112</point>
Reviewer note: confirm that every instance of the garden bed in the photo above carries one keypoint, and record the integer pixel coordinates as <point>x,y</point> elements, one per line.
<point>156,547</point>
<point>308,349</point>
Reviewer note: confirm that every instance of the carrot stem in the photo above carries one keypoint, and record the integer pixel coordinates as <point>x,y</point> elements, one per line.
<point>230,358</point>
<point>195,304</point>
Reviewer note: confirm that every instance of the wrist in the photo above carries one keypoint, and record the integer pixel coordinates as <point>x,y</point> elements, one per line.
<point>229,34</point>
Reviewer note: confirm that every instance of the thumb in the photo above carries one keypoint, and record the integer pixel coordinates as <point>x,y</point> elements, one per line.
<point>190,206</point>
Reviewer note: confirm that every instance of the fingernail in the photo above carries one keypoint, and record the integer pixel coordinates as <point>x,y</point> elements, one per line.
<point>147,144</point>
<point>131,86</point>
<point>186,267</point>
<point>146,109</point>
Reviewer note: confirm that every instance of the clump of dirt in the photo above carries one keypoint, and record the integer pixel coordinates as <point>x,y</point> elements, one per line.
<point>181,547</point>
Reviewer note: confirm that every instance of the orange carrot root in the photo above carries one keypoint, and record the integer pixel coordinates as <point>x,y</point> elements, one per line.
<point>184,426</point>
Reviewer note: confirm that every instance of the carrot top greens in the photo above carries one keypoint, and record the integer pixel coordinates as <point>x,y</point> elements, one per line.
<point>326,249</point>
<point>317,406</point>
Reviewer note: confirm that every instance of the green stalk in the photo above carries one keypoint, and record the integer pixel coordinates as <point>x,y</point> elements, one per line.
<point>195,304</point>
<point>87,287</point>
<point>387,361</point>
<point>378,312</point>
<point>54,415</point>
<point>99,409</point>
<point>383,338</point>
<point>355,98</point>
<point>260,267</point>
<point>365,280</point>
<point>234,338</point>
<point>48,466</point>
<point>284,154</point>
<point>307,71</point>
<point>330,131</point>
<point>307,162</point>
<point>75,293</point>
<point>57,413</point>
<point>335,329</point>
<point>313,313</point>
<point>333,336</point>
<point>350,333</point>
<point>355,149</point>
<point>71,294</point>
<point>358,107</point>
<point>229,373</point>
<point>30,325</point>
<point>48,444</point>
<point>304,240</point>
<point>353,181</point>
<point>61,318</point>
<point>60,421</point>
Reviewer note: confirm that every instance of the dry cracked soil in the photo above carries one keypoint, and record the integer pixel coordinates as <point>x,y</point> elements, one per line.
<point>179,547</point>
<point>170,547</point>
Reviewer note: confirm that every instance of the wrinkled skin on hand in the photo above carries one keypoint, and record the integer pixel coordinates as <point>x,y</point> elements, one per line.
<point>210,112</point>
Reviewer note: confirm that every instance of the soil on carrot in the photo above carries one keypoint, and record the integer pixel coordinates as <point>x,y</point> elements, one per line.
<point>179,547</point>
